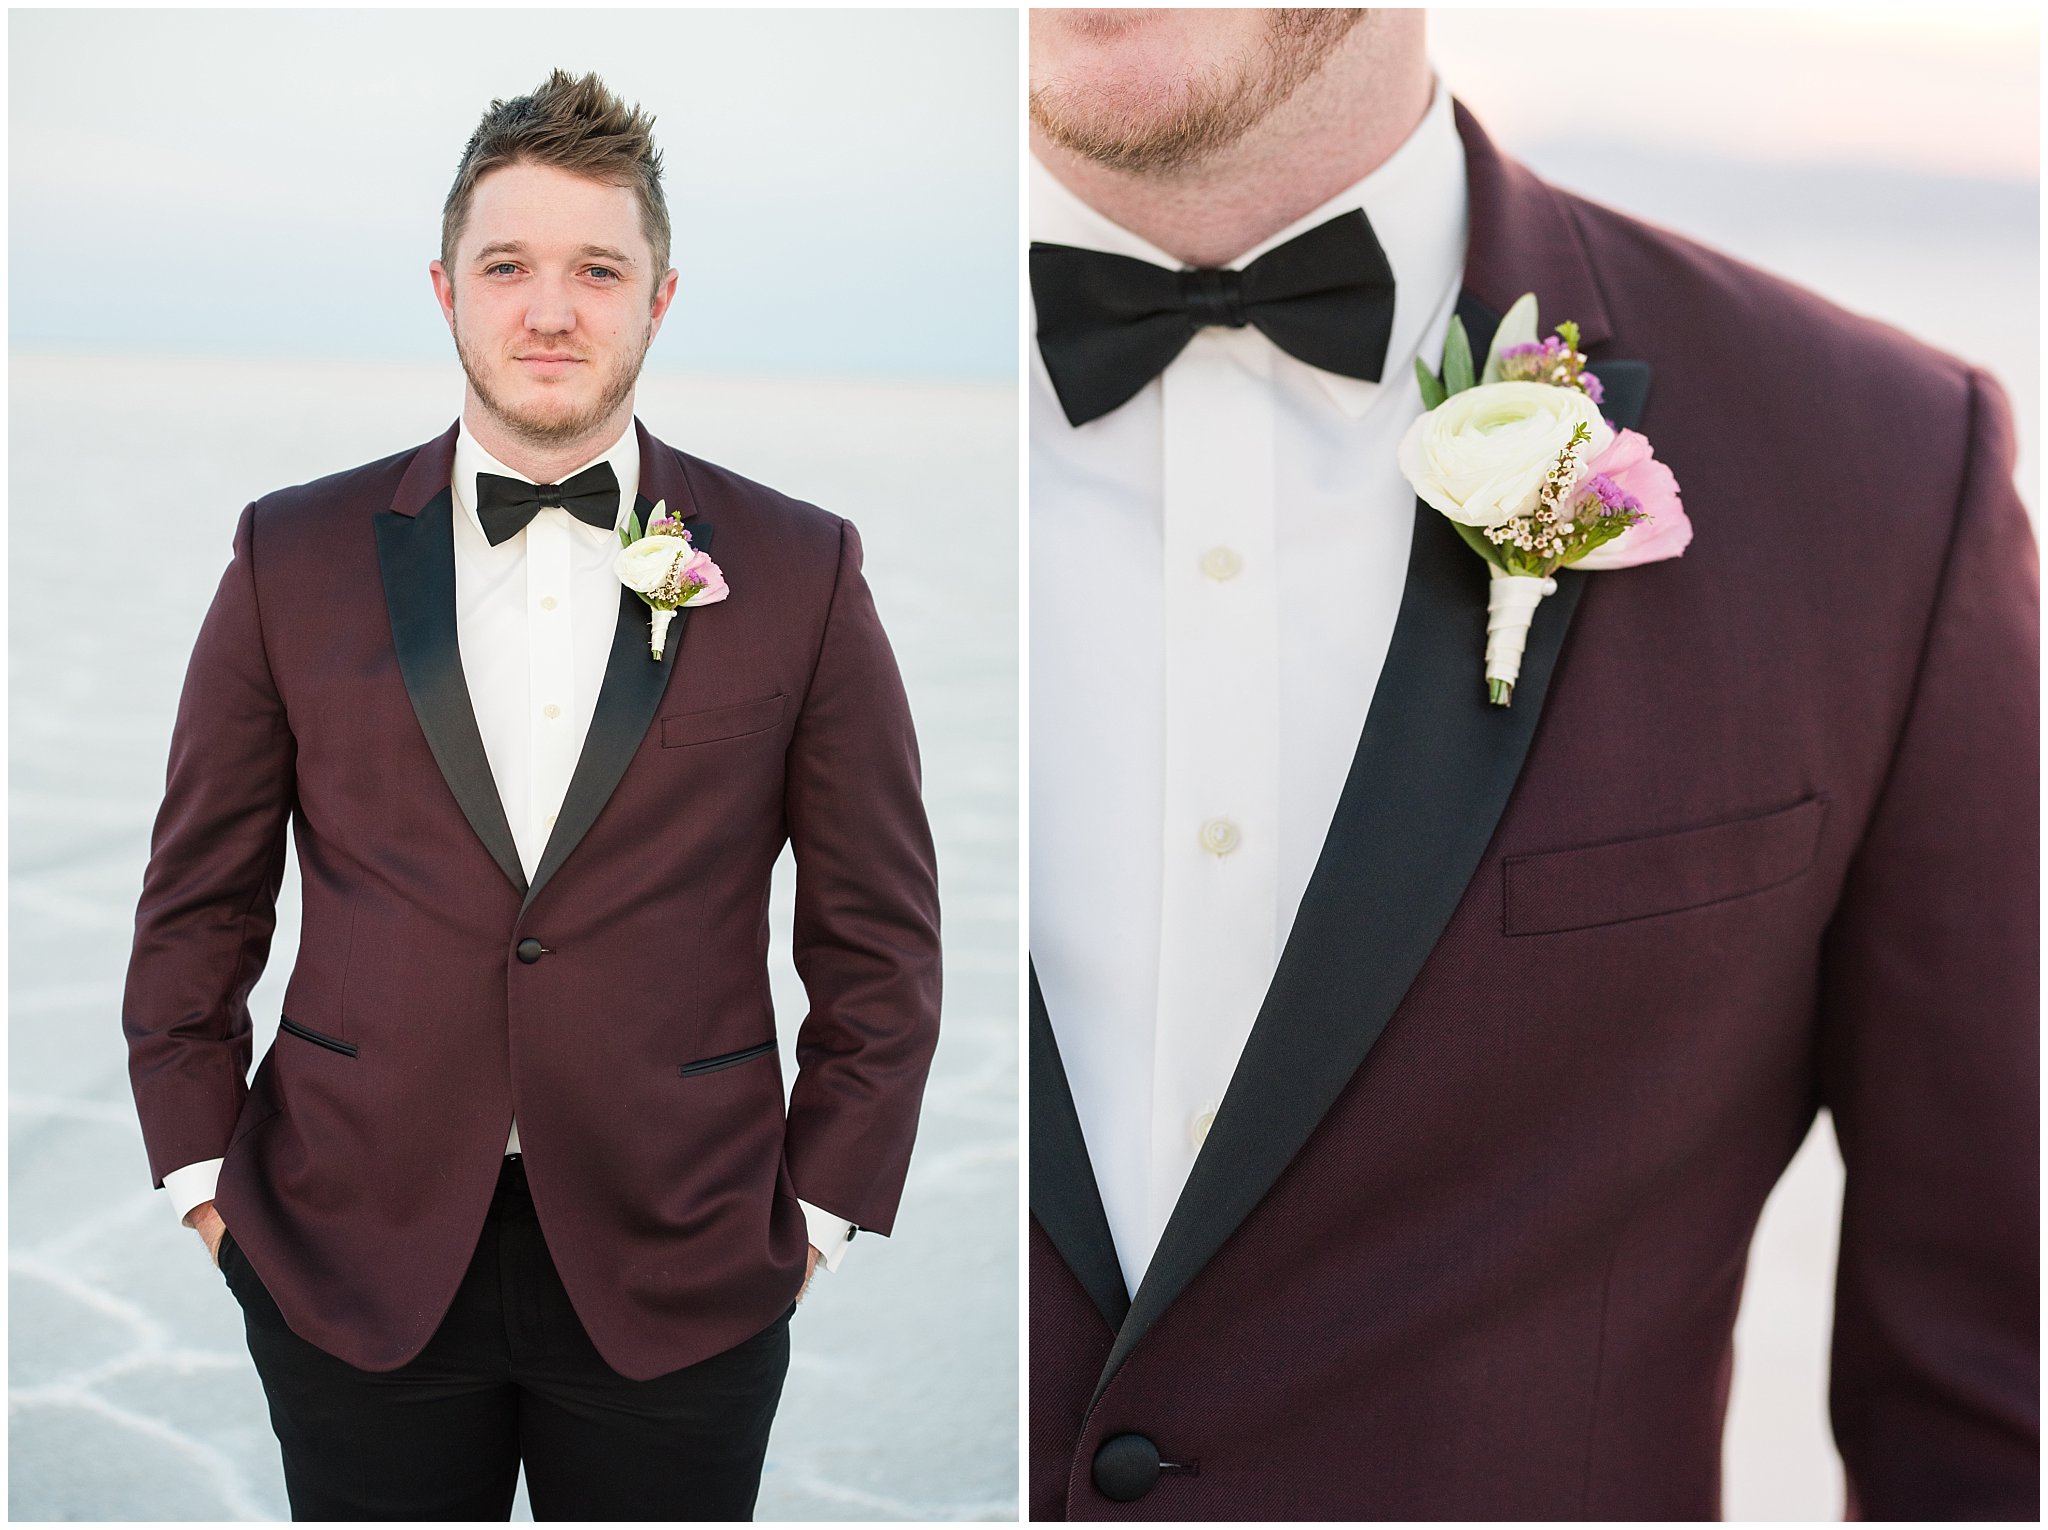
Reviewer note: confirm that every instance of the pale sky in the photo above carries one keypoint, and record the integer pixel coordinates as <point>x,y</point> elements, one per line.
<point>843,184</point>
<point>268,182</point>
<point>1953,90</point>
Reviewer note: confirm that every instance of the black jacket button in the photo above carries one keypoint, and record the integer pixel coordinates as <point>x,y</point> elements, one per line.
<point>1126,1467</point>
<point>530,950</point>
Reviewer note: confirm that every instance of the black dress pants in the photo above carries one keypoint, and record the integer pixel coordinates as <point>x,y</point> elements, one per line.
<point>510,1377</point>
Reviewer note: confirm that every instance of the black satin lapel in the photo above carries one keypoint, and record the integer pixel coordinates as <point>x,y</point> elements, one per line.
<point>1064,1195</point>
<point>1432,774</point>
<point>416,555</point>
<point>1624,389</point>
<point>633,684</point>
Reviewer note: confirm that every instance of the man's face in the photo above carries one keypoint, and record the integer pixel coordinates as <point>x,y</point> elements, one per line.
<point>1154,91</point>
<point>553,300</point>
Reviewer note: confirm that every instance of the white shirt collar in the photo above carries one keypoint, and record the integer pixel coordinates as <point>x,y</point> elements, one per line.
<point>471,459</point>
<point>1416,203</point>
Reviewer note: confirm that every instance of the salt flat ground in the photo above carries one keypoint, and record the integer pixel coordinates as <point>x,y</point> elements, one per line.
<point>130,1392</point>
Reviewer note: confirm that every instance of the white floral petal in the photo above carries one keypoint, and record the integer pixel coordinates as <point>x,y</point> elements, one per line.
<point>1517,327</point>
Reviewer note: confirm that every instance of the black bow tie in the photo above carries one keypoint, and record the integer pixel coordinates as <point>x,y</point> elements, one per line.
<point>505,505</point>
<point>1108,324</point>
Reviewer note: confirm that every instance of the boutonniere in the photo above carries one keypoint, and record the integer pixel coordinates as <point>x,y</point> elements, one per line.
<point>662,567</point>
<point>1533,477</point>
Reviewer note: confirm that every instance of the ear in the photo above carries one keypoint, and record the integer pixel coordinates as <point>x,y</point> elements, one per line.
<point>444,291</point>
<point>664,294</point>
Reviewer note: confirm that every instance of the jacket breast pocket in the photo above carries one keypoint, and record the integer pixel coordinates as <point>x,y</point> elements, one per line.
<point>1579,889</point>
<point>704,727</point>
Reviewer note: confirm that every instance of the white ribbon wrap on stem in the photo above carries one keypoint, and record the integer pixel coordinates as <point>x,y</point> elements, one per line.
<point>1511,602</point>
<point>660,620</point>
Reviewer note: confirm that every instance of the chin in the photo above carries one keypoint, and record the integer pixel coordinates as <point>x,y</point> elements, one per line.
<point>1126,88</point>
<point>545,420</point>
<point>1138,53</point>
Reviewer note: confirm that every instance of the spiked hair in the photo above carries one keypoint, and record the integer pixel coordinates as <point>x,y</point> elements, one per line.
<point>572,124</point>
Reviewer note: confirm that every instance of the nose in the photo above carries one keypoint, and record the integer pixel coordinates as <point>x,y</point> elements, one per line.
<point>550,306</point>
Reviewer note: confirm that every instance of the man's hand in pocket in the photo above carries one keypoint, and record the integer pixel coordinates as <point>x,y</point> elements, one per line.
<point>205,1221</point>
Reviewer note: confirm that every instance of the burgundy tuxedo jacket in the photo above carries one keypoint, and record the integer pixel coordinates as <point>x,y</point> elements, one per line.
<point>619,1004</point>
<point>1757,838</point>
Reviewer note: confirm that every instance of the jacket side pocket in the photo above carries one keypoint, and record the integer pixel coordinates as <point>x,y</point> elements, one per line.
<point>318,1038</point>
<point>725,1060</point>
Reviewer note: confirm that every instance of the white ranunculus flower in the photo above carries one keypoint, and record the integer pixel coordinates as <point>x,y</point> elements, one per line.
<point>1481,455</point>
<point>643,565</point>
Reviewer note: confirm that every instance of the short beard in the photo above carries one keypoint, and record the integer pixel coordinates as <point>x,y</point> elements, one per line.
<point>1207,113</point>
<point>544,433</point>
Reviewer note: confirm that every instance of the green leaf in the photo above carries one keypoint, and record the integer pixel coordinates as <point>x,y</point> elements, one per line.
<point>1598,535</point>
<point>632,526</point>
<point>1432,391</point>
<point>1457,358</point>
<point>1476,540</point>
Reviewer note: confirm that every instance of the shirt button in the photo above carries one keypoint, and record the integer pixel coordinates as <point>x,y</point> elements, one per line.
<point>1221,563</point>
<point>1219,836</point>
<point>1199,1124</point>
<point>547,602</point>
<point>551,711</point>
<point>551,820</point>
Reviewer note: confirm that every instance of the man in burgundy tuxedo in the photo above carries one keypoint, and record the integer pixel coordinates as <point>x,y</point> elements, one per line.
<point>516,1184</point>
<point>1402,1108</point>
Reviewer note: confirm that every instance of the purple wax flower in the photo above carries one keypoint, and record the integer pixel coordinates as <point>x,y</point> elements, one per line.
<point>1600,495</point>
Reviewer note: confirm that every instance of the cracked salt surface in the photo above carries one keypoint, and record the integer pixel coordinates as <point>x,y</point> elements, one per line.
<point>130,1393</point>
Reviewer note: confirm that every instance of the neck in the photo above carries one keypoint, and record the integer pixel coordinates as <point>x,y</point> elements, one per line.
<point>1340,126</point>
<point>542,462</point>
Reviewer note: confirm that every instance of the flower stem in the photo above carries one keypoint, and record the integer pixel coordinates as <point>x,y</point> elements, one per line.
<point>1500,692</point>
<point>659,619</point>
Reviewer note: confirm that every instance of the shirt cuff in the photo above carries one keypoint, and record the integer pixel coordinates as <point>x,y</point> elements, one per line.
<point>192,1185</point>
<point>829,1234</point>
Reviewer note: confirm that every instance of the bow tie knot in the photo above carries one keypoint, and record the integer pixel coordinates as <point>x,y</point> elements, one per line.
<point>1213,296</point>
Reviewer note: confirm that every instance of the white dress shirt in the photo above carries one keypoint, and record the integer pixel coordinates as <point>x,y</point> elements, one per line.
<point>534,619</point>
<point>1215,571</point>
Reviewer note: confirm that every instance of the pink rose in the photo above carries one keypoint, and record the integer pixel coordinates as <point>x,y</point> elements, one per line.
<point>700,567</point>
<point>1627,461</point>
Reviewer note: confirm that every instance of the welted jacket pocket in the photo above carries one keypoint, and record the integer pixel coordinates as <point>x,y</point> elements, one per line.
<point>319,1038</point>
<point>1640,878</point>
<point>726,1059</point>
<point>685,728</point>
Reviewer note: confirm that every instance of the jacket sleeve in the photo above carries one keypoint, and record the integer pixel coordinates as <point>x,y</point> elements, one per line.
<point>209,896</point>
<point>1929,1049</point>
<point>866,936</point>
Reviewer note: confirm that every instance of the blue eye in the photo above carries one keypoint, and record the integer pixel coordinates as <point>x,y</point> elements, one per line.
<point>604,271</point>
<point>503,265</point>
